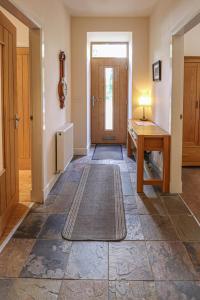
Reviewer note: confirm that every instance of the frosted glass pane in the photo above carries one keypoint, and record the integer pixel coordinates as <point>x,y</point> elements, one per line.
<point>1,121</point>
<point>109,50</point>
<point>108,98</point>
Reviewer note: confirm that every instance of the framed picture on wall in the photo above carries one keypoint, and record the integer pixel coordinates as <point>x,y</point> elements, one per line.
<point>157,71</point>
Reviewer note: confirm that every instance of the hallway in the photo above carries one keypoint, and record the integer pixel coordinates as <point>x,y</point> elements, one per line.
<point>158,260</point>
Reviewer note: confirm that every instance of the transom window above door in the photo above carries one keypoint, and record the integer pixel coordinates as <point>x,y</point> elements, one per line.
<point>103,50</point>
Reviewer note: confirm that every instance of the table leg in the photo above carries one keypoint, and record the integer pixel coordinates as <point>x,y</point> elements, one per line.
<point>166,164</point>
<point>129,151</point>
<point>140,164</point>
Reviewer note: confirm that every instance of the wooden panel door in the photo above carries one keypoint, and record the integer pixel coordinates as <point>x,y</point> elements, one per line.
<point>191,111</point>
<point>109,77</point>
<point>23,99</point>
<point>9,186</point>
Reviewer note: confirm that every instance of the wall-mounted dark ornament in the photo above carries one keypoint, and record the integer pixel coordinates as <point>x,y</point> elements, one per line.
<point>157,71</point>
<point>62,85</point>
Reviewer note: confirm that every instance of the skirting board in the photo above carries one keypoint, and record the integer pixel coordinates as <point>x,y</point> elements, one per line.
<point>81,151</point>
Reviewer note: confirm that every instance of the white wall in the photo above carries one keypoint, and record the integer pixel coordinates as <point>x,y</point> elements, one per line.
<point>139,27</point>
<point>164,22</point>
<point>22,30</point>
<point>55,23</point>
<point>192,42</point>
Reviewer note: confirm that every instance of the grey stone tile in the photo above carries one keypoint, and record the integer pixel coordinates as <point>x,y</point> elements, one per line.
<point>53,227</point>
<point>54,204</point>
<point>193,250</point>
<point>31,226</point>
<point>127,186</point>
<point>132,290</point>
<point>14,256</point>
<point>187,228</point>
<point>134,229</point>
<point>48,259</point>
<point>25,289</point>
<point>84,290</point>
<point>174,205</point>
<point>133,177</point>
<point>132,166</point>
<point>5,287</point>
<point>130,205</point>
<point>158,228</point>
<point>150,191</point>
<point>150,206</point>
<point>129,261</point>
<point>178,290</point>
<point>170,261</point>
<point>88,260</point>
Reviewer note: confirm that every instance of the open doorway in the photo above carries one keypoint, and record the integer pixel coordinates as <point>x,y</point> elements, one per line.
<point>23,115</point>
<point>185,171</point>
<point>191,120</point>
<point>21,173</point>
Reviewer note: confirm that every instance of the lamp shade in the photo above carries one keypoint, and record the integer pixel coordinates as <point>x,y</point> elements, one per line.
<point>145,101</point>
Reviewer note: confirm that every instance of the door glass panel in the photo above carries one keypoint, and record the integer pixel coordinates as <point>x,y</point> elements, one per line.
<point>109,50</point>
<point>108,98</point>
<point>1,115</point>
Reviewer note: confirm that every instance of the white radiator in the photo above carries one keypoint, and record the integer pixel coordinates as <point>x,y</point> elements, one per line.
<point>65,146</point>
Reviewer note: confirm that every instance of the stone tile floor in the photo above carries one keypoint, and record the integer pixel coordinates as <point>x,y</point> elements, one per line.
<point>159,260</point>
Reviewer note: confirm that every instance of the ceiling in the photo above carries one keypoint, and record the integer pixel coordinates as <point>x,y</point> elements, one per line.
<point>111,8</point>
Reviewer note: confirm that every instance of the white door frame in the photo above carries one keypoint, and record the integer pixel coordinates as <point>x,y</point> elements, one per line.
<point>36,99</point>
<point>177,43</point>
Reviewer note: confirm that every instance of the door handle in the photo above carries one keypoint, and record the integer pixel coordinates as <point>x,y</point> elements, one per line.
<point>93,101</point>
<point>17,119</point>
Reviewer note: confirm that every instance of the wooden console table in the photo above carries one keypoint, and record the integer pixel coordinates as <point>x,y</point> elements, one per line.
<point>147,136</point>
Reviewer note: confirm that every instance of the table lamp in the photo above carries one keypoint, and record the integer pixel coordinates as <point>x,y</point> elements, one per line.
<point>144,101</point>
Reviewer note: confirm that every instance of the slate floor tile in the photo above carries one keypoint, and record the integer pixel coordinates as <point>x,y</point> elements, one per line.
<point>150,206</point>
<point>134,229</point>
<point>127,186</point>
<point>5,287</point>
<point>48,259</point>
<point>13,257</point>
<point>130,205</point>
<point>31,226</point>
<point>54,204</point>
<point>133,290</point>
<point>53,227</point>
<point>187,228</point>
<point>158,228</point>
<point>170,261</point>
<point>178,290</point>
<point>175,205</point>
<point>88,260</point>
<point>84,290</point>
<point>25,289</point>
<point>128,261</point>
<point>193,250</point>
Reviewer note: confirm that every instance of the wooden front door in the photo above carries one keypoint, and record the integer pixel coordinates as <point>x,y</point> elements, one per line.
<point>109,78</point>
<point>9,185</point>
<point>23,99</point>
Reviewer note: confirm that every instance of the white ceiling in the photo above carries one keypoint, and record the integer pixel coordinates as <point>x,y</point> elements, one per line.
<point>111,8</point>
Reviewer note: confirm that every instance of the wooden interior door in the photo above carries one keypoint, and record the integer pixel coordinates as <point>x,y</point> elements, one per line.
<point>23,99</point>
<point>9,186</point>
<point>191,111</point>
<point>109,78</point>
